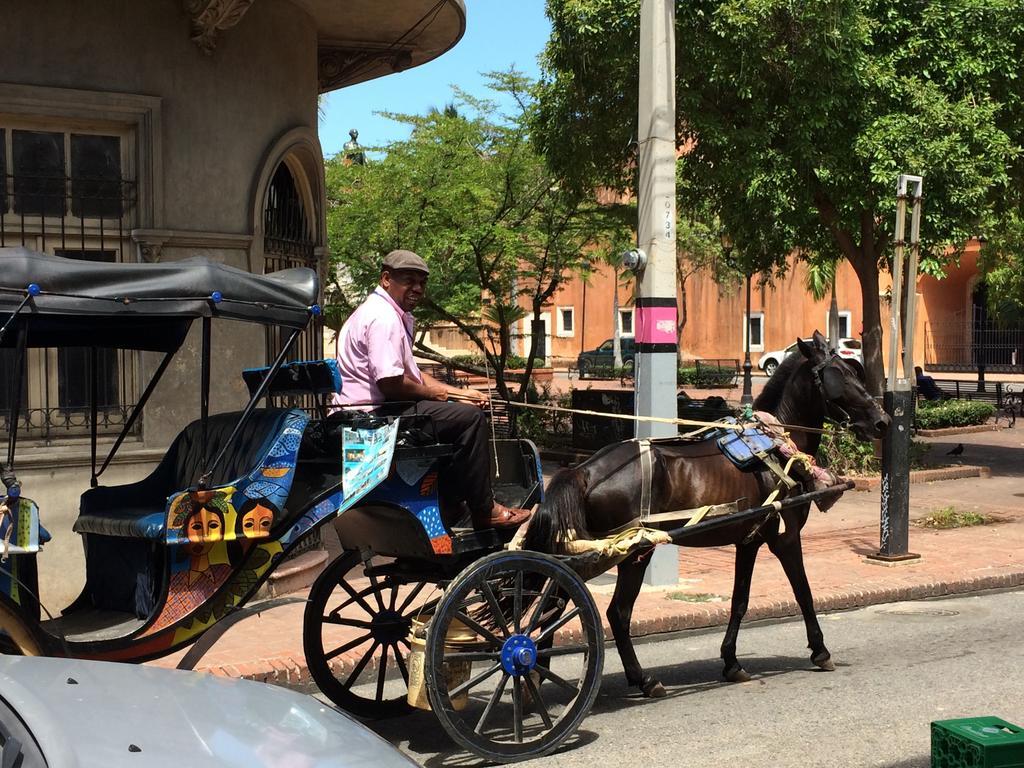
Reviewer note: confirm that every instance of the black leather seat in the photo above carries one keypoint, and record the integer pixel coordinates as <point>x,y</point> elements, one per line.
<point>139,510</point>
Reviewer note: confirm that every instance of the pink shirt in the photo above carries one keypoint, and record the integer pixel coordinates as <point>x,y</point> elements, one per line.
<point>375,343</point>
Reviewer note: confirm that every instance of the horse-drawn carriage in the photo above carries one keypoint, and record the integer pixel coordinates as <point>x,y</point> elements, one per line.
<point>176,556</point>
<point>505,645</point>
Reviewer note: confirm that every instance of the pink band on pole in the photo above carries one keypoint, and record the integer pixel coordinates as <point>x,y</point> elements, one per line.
<point>656,325</point>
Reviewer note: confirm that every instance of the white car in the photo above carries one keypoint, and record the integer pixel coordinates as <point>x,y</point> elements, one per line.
<point>69,713</point>
<point>849,349</point>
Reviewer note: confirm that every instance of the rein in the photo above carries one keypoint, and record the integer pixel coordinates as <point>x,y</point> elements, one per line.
<point>657,419</point>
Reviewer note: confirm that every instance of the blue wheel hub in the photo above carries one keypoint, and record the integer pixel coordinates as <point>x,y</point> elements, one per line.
<point>518,655</point>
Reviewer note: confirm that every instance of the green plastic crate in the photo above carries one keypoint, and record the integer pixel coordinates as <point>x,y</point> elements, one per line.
<point>977,742</point>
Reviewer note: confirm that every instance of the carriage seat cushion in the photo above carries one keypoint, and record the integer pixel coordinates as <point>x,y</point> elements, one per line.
<point>744,448</point>
<point>139,511</point>
<point>304,377</point>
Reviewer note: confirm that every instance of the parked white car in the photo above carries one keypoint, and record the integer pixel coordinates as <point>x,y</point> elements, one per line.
<point>849,349</point>
<point>70,713</point>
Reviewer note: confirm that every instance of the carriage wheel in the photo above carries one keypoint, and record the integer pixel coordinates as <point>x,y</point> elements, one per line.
<point>17,636</point>
<point>368,623</point>
<point>498,686</point>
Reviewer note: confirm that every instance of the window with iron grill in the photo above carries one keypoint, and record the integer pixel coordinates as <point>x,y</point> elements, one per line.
<point>68,193</point>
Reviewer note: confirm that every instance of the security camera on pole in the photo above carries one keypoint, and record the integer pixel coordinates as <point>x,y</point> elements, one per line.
<point>654,260</point>
<point>899,395</point>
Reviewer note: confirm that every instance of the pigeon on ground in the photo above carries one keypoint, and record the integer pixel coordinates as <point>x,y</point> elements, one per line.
<point>956,451</point>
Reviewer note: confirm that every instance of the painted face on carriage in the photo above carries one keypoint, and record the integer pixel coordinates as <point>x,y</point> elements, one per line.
<point>203,528</point>
<point>255,519</point>
<point>847,401</point>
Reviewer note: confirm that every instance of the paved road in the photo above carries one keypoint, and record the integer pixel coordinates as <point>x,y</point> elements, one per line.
<point>899,667</point>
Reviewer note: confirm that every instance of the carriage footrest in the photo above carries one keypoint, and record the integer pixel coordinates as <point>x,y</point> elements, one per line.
<point>472,540</point>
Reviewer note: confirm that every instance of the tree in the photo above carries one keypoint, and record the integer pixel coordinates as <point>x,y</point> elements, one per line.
<point>468,192</point>
<point>798,118</point>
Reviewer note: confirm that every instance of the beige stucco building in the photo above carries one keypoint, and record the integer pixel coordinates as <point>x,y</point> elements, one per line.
<point>162,130</point>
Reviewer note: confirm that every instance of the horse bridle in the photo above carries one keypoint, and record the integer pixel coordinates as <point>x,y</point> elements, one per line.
<point>831,406</point>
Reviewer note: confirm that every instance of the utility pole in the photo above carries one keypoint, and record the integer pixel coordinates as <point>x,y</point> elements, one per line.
<point>894,533</point>
<point>655,327</point>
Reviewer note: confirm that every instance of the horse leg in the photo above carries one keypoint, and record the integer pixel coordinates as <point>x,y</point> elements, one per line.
<point>746,555</point>
<point>788,549</point>
<point>620,614</point>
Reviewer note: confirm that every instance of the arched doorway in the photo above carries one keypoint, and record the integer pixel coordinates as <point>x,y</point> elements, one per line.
<point>289,240</point>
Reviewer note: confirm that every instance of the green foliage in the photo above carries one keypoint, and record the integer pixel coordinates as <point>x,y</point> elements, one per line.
<point>951,517</point>
<point>695,597</point>
<point>548,429</point>
<point>844,454</point>
<point>798,118</point>
<point>1002,259</point>
<point>936,414</point>
<point>469,194</point>
<point>512,362</point>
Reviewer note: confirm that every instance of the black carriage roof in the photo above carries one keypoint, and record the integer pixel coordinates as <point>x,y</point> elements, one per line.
<point>141,306</point>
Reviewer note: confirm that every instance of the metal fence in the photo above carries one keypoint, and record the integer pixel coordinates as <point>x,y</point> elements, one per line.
<point>78,218</point>
<point>962,346</point>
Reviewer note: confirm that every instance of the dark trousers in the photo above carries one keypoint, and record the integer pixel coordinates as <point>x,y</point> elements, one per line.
<point>468,477</point>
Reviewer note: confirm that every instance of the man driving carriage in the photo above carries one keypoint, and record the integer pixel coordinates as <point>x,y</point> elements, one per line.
<point>375,357</point>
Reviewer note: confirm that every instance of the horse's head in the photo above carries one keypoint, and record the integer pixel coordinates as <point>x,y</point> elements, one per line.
<point>846,399</point>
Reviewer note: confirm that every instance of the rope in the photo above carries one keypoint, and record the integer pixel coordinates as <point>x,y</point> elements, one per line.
<point>657,419</point>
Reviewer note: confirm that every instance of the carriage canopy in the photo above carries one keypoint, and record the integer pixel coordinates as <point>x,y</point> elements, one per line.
<point>147,306</point>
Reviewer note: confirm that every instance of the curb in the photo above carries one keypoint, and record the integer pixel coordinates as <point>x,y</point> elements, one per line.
<point>291,671</point>
<point>969,430</point>
<point>928,476</point>
<point>704,615</point>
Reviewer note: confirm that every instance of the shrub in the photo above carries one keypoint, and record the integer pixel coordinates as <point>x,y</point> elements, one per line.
<point>951,517</point>
<point>513,362</point>
<point>844,454</point>
<point>952,413</point>
<point>548,429</point>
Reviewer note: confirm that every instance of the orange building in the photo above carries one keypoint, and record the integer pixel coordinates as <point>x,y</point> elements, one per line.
<point>949,330</point>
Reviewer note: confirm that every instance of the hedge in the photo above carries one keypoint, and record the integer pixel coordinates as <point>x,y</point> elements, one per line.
<point>952,413</point>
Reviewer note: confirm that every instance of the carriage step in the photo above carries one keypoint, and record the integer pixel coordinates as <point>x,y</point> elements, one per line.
<point>295,574</point>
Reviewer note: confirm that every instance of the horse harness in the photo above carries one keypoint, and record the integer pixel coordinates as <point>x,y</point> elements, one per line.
<point>764,455</point>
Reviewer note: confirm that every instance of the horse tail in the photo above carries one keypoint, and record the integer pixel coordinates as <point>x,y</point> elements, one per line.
<point>562,516</point>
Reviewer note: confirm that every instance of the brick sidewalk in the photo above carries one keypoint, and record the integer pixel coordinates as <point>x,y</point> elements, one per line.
<point>269,647</point>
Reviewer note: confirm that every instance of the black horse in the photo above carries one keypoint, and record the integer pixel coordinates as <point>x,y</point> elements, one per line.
<point>603,494</point>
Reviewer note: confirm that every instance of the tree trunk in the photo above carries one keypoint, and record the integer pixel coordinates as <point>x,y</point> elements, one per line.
<point>866,267</point>
<point>681,324</point>
<point>616,336</point>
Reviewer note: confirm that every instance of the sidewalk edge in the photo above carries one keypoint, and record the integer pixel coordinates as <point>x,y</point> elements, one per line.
<point>291,671</point>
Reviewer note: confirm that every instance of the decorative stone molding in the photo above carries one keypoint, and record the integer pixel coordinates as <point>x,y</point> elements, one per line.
<point>339,64</point>
<point>152,241</point>
<point>210,16</point>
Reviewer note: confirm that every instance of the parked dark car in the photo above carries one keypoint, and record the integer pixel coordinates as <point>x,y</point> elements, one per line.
<point>603,358</point>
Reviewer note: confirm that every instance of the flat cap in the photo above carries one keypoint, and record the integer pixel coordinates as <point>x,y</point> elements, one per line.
<point>405,260</point>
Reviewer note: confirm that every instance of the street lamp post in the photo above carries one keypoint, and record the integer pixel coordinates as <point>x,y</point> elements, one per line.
<point>583,319</point>
<point>747,398</point>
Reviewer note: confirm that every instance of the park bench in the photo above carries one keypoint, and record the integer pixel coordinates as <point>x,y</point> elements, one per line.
<point>717,372</point>
<point>703,409</point>
<point>955,389</point>
<point>446,372</point>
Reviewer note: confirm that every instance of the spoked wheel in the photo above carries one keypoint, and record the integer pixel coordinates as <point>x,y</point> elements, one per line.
<point>17,637</point>
<point>355,636</point>
<point>507,693</point>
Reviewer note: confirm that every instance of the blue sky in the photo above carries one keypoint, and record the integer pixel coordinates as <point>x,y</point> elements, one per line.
<point>499,33</point>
